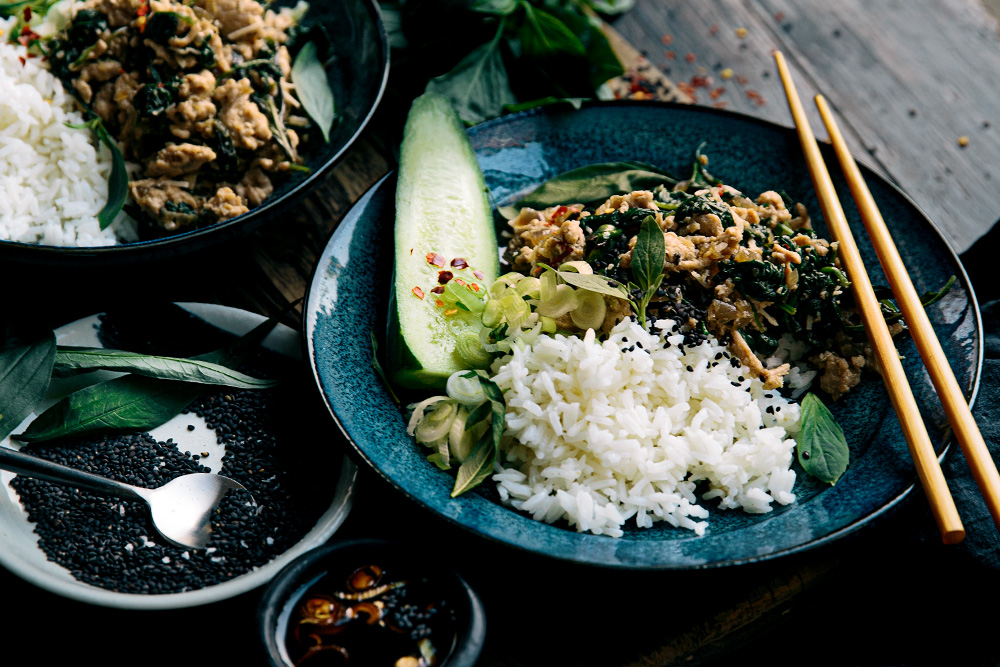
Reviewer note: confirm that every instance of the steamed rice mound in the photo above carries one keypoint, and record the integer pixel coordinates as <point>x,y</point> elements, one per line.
<point>599,433</point>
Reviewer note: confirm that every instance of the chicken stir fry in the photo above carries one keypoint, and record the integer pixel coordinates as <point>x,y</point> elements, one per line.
<point>198,95</point>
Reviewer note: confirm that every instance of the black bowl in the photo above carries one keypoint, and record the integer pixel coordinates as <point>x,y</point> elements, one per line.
<point>358,71</point>
<point>282,595</point>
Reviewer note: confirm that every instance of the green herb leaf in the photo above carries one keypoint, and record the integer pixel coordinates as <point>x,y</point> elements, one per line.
<point>75,360</point>
<point>602,60</point>
<point>648,254</point>
<point>543,35</point>
<point>439,459</point>
<point>25,370</point>
<point>312,87</point>
<point>477,86</point>
<point>133,403</point>
<point>611,7</point>
<point>593,184</point>
<point>822,449</point>
<point>595,283</point>
<point>479,464</point>
<point>497,7</point>
<point>933,297</point>
<point>117,182</point>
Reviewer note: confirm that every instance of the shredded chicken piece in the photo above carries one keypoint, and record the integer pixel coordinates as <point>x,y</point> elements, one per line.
<point>226,204</point>
<point>178,159</point>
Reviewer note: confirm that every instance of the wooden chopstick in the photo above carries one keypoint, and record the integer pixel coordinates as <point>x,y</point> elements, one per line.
<point>927,465</point>
<point>984,470</point>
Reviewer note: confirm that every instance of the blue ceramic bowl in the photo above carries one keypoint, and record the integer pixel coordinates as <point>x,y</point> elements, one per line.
<point>358,70</point>
<point>348,299</point>
<point>284,594</point>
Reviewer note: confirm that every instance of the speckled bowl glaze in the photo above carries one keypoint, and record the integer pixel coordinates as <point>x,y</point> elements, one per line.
<point>348,299</point>
<point>358,70</point>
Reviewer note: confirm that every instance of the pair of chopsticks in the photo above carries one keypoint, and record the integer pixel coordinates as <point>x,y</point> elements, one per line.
<point>984,470</point>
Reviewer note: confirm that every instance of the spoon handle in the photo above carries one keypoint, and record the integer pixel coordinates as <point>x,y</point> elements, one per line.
<point>38,468</point>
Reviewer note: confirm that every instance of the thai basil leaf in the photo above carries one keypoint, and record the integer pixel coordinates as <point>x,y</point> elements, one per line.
<point>117,182</point>
<point>25,370</point>
<point>477,86</point>
<point>543,35</point>
<point>595,283</point>
<point>602,60</point>
<point>593,184</point>
<point>75,360</point>
<point>312,87</point>
<point>133,403</point>
<point>648,254</point>
<point>822,449</point>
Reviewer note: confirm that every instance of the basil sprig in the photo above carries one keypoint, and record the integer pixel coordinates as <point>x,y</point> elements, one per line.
<point>134,402</point>
<point>647,263</point>
<point>312,87</point>
<point>117,181</point>
<point>821,448</point>
<point>479,464</point>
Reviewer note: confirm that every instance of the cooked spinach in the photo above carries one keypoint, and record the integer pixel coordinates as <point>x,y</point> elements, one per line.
<point>693,205</point>
<point>152,99</point>
<point>161,26</point>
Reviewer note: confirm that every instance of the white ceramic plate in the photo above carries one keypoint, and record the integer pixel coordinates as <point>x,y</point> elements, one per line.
<point>19,550</point>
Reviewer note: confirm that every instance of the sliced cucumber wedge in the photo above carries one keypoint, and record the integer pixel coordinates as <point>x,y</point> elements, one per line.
<point>444,225</point>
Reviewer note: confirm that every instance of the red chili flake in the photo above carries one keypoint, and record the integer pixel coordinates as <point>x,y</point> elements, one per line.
<point>713,29</point>
<point>438,289</point>
<point>669,55</point>
<point>701,81</point>
<point>435,259</point>
<point>450,312</point>
<point>779,17</point>
<point>461,282</point>
<point>755,97</point>
<point>439,303</point>
<point>143,9</point>
<point>27,13</point>
<point>23,61</point>
<point>562,209</point>
<point>667,40</point>
<point>717,92</point>
<point>687,89</point>
<point>474,287</point>
<point>721,105</point>
<point>27,36</point>
<point>690,57</point>
<point>479,274</point>
<point>411,249</point>
<point>419,292</point>
<point>459,263</point>
<point>445,276</point>
<point>742,80</point>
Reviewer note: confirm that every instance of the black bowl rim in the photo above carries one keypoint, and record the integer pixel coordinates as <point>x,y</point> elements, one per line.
<point>473,628</point>
<point>862,522</point>
<point>169,246</point>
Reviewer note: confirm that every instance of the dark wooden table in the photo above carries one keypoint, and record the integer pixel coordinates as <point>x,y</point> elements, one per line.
<point>908,79</point>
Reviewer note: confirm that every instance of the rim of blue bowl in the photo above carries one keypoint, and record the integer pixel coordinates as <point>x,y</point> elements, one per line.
<point>849,529</point>
<point>470,618</point>
<point>179,244</point>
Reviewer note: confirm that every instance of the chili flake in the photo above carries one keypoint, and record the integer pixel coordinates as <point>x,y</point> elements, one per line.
<point>713,29</point>
<point>439,303</point>
<point>435,259</point>
<point>690,57</point>
<point>459,263</point>
<point>23,61</point>
<point>474,287</point>
<point>445,276</point>
<point>450,312</point>
<point>667,40</point>
<point>27,13</point>
<point>438,289</point>
<point>460,282</point>
<point>479,274</point>
<point>717,92</point>
<point>419,292</point>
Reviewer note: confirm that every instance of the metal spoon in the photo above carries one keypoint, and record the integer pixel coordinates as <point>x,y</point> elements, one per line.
<point>181,508</point>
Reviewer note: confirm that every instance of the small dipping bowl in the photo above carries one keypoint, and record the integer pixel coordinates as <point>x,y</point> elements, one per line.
<point>373,601</point>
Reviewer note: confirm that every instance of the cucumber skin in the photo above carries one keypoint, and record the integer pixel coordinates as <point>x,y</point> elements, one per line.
<point>403,355</point>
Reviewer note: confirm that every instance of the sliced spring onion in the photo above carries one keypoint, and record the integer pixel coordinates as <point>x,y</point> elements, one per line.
<point>563,301</point>
<point>418,412</point>
<point>578,267</point>
<point>492,314</point>
<point>590,313</point>
<point>548,325</point>
<point>463,296</point>
<point>467,391</point>
<point>515,310</point>
<point>501,284</point>
<point>471,350</point>
<point>529,287</point>
<point>548,284</point>
<point>485,339</point>
<point>437,423</point>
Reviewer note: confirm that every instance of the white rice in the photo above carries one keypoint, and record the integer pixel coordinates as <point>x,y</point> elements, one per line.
<point>53,179</point>
<point>601,435</point>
